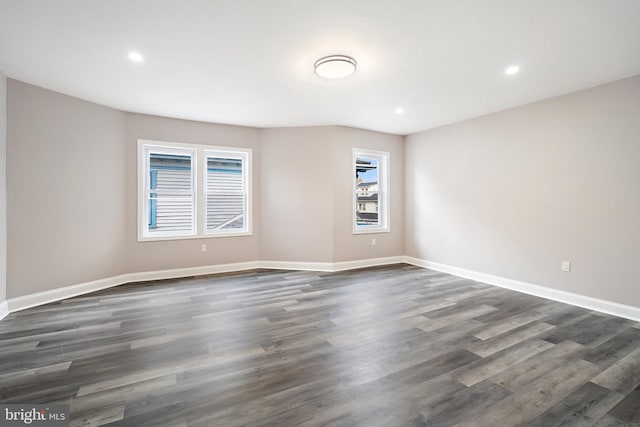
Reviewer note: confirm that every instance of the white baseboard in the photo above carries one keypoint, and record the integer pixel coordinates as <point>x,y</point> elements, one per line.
<point>363,263</point>
<point>191,271</point>
<point>40,298</point>
<point>295,265</point>
<point>4,309</point>
<point>603,306</point>
<point>32,300</point>
<point>332,266</point>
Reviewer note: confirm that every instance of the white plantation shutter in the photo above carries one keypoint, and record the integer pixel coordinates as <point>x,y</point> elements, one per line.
<point>225,192</point>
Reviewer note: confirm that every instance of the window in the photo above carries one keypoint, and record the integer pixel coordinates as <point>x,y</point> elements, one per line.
<point>371,195</point>
<point>172,204</point>
<point>169,194</point>
<point>226,192</point>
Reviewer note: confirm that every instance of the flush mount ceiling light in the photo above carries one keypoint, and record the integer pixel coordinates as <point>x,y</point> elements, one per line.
<point>335,66</point>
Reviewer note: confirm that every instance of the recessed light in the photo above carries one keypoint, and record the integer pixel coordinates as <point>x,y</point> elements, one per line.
<point>510,71</point>
<point>335,66</point>
<point>136,57</point>
<point>399,110</point>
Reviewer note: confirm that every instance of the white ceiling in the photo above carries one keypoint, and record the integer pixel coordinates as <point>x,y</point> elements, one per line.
<point>250,62</point>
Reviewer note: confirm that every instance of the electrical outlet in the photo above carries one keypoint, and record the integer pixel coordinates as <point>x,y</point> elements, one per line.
<point>373,241</point>
<point>203,247</point>
<point>566,266</point>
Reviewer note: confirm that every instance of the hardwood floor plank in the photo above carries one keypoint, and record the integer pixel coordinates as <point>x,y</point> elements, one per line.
<point>623,376</point>
<point>611,351</point>
<point>442,322</point>
<point>582,407</point>
<point>611,421</point>
<point>509,324</point>
<point>521,375</point>
<point>119,395</point>
<point>455,409</point>
<point>507,339</point>
<point>526,404</point>
<point>98,416</point>
<point>396,345</point>
<point>587,330</point>
<point>628,410</point>
<point>475,372</point>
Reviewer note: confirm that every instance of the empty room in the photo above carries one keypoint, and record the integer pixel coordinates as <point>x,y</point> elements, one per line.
<point>305,213</point>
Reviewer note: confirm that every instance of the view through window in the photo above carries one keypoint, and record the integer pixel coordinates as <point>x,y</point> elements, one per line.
<point>370,202</point>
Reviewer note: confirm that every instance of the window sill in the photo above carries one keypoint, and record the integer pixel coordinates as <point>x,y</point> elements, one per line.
<point>372,231</point>
<point>201,236</point>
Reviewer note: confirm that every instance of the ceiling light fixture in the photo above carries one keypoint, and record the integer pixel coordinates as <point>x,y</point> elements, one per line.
<point>399,110</point>
<point>335,66</point>
<point>510,71</point>
<point>136,57</point>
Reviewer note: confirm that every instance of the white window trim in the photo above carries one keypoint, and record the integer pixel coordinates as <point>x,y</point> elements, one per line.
<point>199,177</point>
<point>143,189</point>
<point>384,195</point>
<point>245,155</point>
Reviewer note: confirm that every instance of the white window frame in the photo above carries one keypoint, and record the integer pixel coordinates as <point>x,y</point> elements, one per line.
<point>384,196</point>
<point>232,153</point>
<point>199,176</point>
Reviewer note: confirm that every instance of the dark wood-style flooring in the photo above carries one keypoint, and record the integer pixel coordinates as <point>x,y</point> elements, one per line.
<point>388,346</point>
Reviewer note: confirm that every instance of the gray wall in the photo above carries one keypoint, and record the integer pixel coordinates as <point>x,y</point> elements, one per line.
<point>72,191</point>
<point>169,254</point>
<point>306,207</point>
<point>510,194</point>
<point>65,190</point>
<point>297,196</point>
<point>3,187</point>
<point>346,245</point>
<point>514,193</point>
